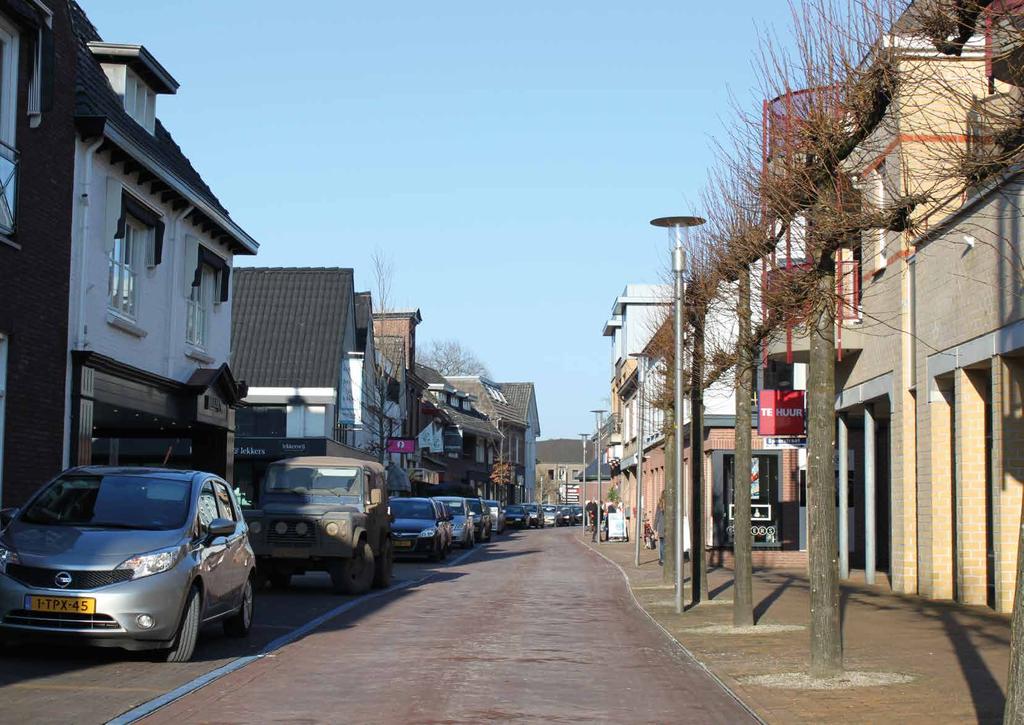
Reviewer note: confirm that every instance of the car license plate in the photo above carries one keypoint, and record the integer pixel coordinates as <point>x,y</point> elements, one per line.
<point>72,605</point>
<point>403,544</point>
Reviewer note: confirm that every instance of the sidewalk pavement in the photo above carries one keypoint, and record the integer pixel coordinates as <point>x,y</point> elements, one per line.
<point>957,656</point>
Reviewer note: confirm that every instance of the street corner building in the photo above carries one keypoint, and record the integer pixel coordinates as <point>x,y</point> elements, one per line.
<point>106,225</point>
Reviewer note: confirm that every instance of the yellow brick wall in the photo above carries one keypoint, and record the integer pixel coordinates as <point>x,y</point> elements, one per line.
<point>972,549</point>
<point>936,524</point>
<point>1008,474</point>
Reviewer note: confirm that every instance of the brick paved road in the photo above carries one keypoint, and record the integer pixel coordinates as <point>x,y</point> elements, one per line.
<point>534,629</point>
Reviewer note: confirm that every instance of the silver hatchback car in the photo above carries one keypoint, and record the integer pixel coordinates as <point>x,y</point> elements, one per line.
<point>138,558</point>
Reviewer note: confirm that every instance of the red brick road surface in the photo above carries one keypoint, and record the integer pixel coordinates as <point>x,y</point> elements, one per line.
<point>534,629</point>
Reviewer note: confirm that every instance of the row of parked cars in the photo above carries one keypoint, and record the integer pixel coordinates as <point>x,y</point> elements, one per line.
<point>143,558</point>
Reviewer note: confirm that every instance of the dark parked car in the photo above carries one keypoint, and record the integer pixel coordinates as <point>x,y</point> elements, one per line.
<point>482,523</point>
<point>444,523</point>
<point>535,517</point>
<point>462,520</point>
<point>137,558</point>
<point>417,528</point>
<point>516,516</point>
<point>564,516</point>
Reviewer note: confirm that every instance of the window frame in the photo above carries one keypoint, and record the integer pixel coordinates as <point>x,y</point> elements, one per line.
<point>135,227</point>
<point>199,308</point>
<point>232,512</point>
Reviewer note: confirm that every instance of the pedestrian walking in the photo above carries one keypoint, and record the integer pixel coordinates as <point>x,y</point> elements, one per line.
<point>659,528</point>
<point>592,519</point>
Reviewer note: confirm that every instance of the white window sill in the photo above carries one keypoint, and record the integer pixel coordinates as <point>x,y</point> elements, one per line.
<point>197,354</point>
<point>125,325</point>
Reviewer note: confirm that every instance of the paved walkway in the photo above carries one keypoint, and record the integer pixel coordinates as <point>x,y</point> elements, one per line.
<point>533,630</point>
<point>958,656</point>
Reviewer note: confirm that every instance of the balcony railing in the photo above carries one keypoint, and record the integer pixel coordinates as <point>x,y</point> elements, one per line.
<point>8,187</point>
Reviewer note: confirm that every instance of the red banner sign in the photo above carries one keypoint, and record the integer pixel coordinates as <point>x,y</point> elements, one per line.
<point>781,413</point>
<point>401,445</point>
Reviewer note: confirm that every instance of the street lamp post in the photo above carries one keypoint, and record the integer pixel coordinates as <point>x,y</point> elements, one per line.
<point>678,229</point>
<point>581,499</point>
<point>599,414</point>
<point>641,374</point>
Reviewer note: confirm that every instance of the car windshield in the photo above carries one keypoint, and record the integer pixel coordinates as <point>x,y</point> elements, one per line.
<point>474,506</point>
<point>456,506</point>
<point>550,509</point>
<point>112,502</point>
<point>323,481</point>
<point>492,504</point>
<point>408,508</point>
<point>514,510</point>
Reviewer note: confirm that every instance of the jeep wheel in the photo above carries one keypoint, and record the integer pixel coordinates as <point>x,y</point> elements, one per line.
<point>382,572</point>
<point>355,575</point>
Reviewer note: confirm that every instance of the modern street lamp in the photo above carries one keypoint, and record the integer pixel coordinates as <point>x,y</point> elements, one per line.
<point>641,375</point>
<point>599,414</point>
<point>679,233</point>
<point>581,499</point>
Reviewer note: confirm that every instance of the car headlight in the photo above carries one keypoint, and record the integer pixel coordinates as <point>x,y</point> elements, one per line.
<point>7,556</point>
<point>153,562</point>
<point>428,532</point>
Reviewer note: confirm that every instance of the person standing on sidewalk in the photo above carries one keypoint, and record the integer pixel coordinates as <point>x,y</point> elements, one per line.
<point>592,518</point>
<point>659,529</point>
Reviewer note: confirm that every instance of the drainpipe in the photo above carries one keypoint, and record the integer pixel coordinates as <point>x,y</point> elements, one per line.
<point>176,285</point>
<point>83,239</point>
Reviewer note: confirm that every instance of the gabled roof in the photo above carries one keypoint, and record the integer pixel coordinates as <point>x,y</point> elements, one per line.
<point>563,450</point>
<point>288,325</point>
<point>364,309</point>
<point>100,111</point>
<point>473,422</point>
<point>429,375</point>
<point>514,409</point>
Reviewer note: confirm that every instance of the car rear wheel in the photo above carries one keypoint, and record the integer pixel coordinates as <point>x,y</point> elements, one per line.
<point>354,575</point>
<point>188,631</point>
<point>384,563</point>
<point>238,624</point>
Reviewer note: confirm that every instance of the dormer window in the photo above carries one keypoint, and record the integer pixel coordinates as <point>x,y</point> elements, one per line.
<point>137,77</point>
<point>140,101</point>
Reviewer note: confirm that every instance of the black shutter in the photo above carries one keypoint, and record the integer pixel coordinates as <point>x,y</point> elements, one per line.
<point>214,262</point>
<point>46,69</point>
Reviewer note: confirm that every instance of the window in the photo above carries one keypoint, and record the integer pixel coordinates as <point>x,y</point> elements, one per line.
<point>306,421</point>
<point>207,508</point>
<point>224,505</point>
<point>8,121</point>
<point>480,446</point>
<point>140,101</point>
<point>876,238</point>
<point>262,421</point>
<point>123,269</point>
<point>495,393</point>
<point>3,395</point>
<point>200,308</point>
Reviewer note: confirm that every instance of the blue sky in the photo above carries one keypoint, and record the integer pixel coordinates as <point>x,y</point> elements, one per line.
<point>506,156</point>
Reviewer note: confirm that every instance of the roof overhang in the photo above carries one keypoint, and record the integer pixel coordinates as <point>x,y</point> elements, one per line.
<point>139,60</point>
<point>98,126</point>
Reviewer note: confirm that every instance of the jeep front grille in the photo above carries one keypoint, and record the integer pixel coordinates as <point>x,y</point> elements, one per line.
<point>285,532</point>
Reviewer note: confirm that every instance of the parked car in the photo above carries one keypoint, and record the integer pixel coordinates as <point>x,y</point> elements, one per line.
<point>137,558</point>
<point>550,513</point>
<point>497,515</point>
<point>462,520</point>
<point>516,516</point>
<point>564,516</point>
<point>322,513</point>
<point>577,514</point>
<point>444,523</point>
<point>416,528</point>
<point>482,523</point>
<point>535,517</point>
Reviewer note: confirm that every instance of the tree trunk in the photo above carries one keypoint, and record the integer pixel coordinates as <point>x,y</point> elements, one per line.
<point>698,557</point>
<point>823,551</point>
<point>743,596</point>
<point>668,569</point>
<point>1014,712</point>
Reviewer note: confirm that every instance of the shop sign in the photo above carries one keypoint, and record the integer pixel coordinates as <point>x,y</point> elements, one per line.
<point>780,413</point>
<point>452,441</point>
<point>401,445</point>
<point>782,443</point>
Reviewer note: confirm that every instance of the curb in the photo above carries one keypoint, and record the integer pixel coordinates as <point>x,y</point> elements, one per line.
<point>636,602</point>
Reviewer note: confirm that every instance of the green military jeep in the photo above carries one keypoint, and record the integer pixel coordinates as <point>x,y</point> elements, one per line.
<point>321,513</point>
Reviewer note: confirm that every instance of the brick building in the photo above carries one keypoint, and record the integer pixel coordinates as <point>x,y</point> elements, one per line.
<point>37,150</point>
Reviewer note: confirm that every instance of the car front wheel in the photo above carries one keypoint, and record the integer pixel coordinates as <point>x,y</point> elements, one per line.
<point>188,631</point>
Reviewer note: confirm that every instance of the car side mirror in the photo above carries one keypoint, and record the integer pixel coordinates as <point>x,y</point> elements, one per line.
<point>220,527</point>
<point>376,497</point>
<point>7,516</point>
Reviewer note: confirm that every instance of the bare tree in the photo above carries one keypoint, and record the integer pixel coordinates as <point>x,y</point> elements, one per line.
<point>449,357</point>
<point>383,392</point>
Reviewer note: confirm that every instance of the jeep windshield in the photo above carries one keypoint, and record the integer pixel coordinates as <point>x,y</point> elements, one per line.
<point>314,481</point>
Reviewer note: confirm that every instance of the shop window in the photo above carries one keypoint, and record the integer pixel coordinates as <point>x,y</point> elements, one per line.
<point>3,395</point>
<point>262,421</point>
